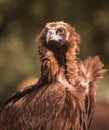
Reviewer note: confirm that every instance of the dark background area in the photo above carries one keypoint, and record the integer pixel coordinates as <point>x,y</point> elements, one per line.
<point>22,20</point>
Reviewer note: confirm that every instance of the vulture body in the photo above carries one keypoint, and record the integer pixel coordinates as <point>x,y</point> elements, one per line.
<point>64,96</point>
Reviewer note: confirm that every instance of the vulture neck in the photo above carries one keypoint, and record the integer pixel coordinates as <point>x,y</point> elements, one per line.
<point>58,64</point>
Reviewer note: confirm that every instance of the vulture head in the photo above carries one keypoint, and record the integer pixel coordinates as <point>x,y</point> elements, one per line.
<point>56,33</point>
<point>59,36</point>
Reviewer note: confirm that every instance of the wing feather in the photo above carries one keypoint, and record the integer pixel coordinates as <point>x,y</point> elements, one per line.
<point>36,108</point>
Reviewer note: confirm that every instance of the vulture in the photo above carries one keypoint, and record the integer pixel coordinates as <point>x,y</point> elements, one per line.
<point>64,98</point>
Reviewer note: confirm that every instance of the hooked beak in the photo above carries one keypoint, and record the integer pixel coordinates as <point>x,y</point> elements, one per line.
<point>52,36</point>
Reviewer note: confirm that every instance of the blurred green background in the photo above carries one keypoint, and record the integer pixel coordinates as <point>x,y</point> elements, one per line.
<point>22,20</point>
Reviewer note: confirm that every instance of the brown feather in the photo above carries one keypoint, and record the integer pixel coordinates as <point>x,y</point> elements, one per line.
<point>64,97</point>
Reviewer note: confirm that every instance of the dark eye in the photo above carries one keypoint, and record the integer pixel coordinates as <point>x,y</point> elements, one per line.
<point>61,30</point>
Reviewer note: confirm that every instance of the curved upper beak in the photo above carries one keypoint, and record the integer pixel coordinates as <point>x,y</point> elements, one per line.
<point>52,36</point>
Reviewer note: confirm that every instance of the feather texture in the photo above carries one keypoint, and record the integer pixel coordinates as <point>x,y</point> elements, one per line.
<point>64,97</point>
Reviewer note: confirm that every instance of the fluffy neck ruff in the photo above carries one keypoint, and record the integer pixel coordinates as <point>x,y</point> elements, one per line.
<point>59,62</point>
